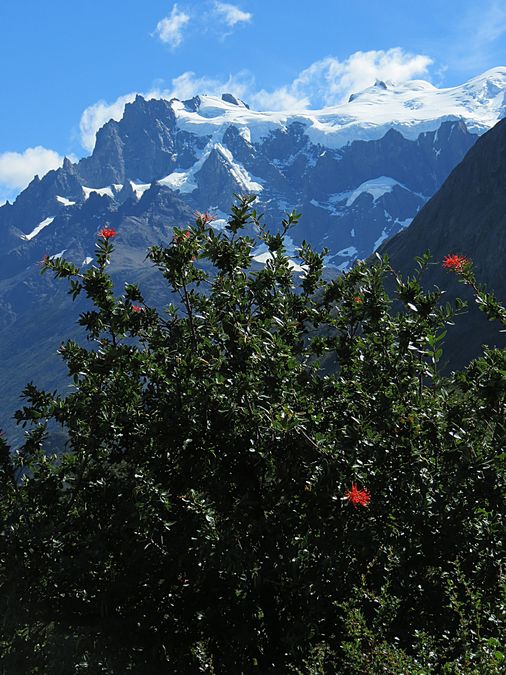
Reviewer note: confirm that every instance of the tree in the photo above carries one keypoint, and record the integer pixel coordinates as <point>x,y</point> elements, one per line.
<point>269,475</point>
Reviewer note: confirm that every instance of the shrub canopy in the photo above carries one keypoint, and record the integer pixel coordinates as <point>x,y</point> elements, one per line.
<point>269,475</point>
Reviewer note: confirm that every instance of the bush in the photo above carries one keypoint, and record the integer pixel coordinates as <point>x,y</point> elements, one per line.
<point>270,475</point>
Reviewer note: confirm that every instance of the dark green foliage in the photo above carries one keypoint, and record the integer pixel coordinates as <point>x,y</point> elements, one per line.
<point>197,521</point>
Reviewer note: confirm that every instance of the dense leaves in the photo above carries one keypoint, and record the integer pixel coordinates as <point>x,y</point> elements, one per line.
<point>269,475</point>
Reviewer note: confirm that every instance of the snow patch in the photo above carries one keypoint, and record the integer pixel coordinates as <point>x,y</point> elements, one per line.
<point>109,191</point>
<point>139,188</point>
<point>37,229</point>
<point>185,182</point>
<point>219,224</point>
<point>384,235</point>
<point>380,240</point>
<point>376,187</point>
<point>87,261</point>
<point>347,252</point>
<point>404,223</point>
<point>239,173</point>
<point>64,201</point>
<point>263,258</point>
<point>262,254</point>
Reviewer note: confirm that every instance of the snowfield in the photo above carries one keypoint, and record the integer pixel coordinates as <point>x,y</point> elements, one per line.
<point>411,108</point>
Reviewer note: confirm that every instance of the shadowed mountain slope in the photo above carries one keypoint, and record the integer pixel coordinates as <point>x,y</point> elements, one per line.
<point>467,216</point>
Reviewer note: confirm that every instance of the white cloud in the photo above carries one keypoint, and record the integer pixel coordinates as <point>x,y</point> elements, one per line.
<point>188,84</point>
<point>231,14</point>
<point>283,98</point>
<point>323,83</point>
<point>18,168</point>
<point>96,115</point>
<point>170,28</point>
<point>331,81</point>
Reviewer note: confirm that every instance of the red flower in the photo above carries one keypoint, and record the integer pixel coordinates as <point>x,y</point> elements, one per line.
<point>136,308</point>
<point>107,233</point>
<point>356,496</point>
<point>455,262</point>
<point>204,218</point>
<point>358,299</point>
<point>178,239</point>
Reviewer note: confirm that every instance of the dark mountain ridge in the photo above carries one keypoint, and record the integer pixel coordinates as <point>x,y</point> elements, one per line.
<point>467,216</point>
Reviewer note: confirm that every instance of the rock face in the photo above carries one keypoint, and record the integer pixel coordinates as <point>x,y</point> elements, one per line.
<point>359,173</point>
<point>352,197</point>
<point>466,216</point>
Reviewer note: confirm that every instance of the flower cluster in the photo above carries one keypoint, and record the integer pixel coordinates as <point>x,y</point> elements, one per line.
<point>356,496</point>
<point>358,299</point>
<point>107,233</point>
<point>178,239</point>
<point>137,308</point>
<point>204,218</point>
<point>455,262</point>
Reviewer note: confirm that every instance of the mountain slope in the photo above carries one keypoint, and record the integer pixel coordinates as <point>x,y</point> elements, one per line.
<point>466,216</point>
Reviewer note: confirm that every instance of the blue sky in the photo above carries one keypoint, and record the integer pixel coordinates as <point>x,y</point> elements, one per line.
<point>69,66</point>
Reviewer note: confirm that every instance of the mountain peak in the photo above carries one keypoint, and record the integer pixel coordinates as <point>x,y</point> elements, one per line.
<point>67,164</point>
<point>380,84</point>
<point>230,98</point>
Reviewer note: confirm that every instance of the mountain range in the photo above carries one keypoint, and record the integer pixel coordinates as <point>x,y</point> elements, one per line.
<point>359,173</point>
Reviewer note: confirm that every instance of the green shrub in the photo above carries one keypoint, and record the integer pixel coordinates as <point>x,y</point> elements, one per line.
<point>270,475</point>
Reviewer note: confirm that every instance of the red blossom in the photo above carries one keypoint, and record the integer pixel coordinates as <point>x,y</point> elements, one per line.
<point>356,496</point>
<point>455,262</point>
<point>358,299</point>
<point>136,308</point>
<point>204,218</point>
<point>179,238</point>
<point>107,233</point>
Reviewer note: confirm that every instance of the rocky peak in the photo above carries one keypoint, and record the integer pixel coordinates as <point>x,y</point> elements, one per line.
<point>230,98</point>
<point>379,84</point>
<point>192,104</point>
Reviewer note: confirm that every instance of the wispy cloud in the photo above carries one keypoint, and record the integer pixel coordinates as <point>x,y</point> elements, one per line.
<point>231,14</point>
<point>170,29</point>
<point>330,81</point>
<point>326,82</point>
<point>189,84</point>
<point>95,116</point>
<point>475,42</point>
<point>492,25</point>
<point>18,168</point>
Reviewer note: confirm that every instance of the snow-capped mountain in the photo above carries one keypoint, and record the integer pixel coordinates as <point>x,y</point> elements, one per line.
<point>175,143</point>
<point>358,172</point>
<point>411,108</point>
